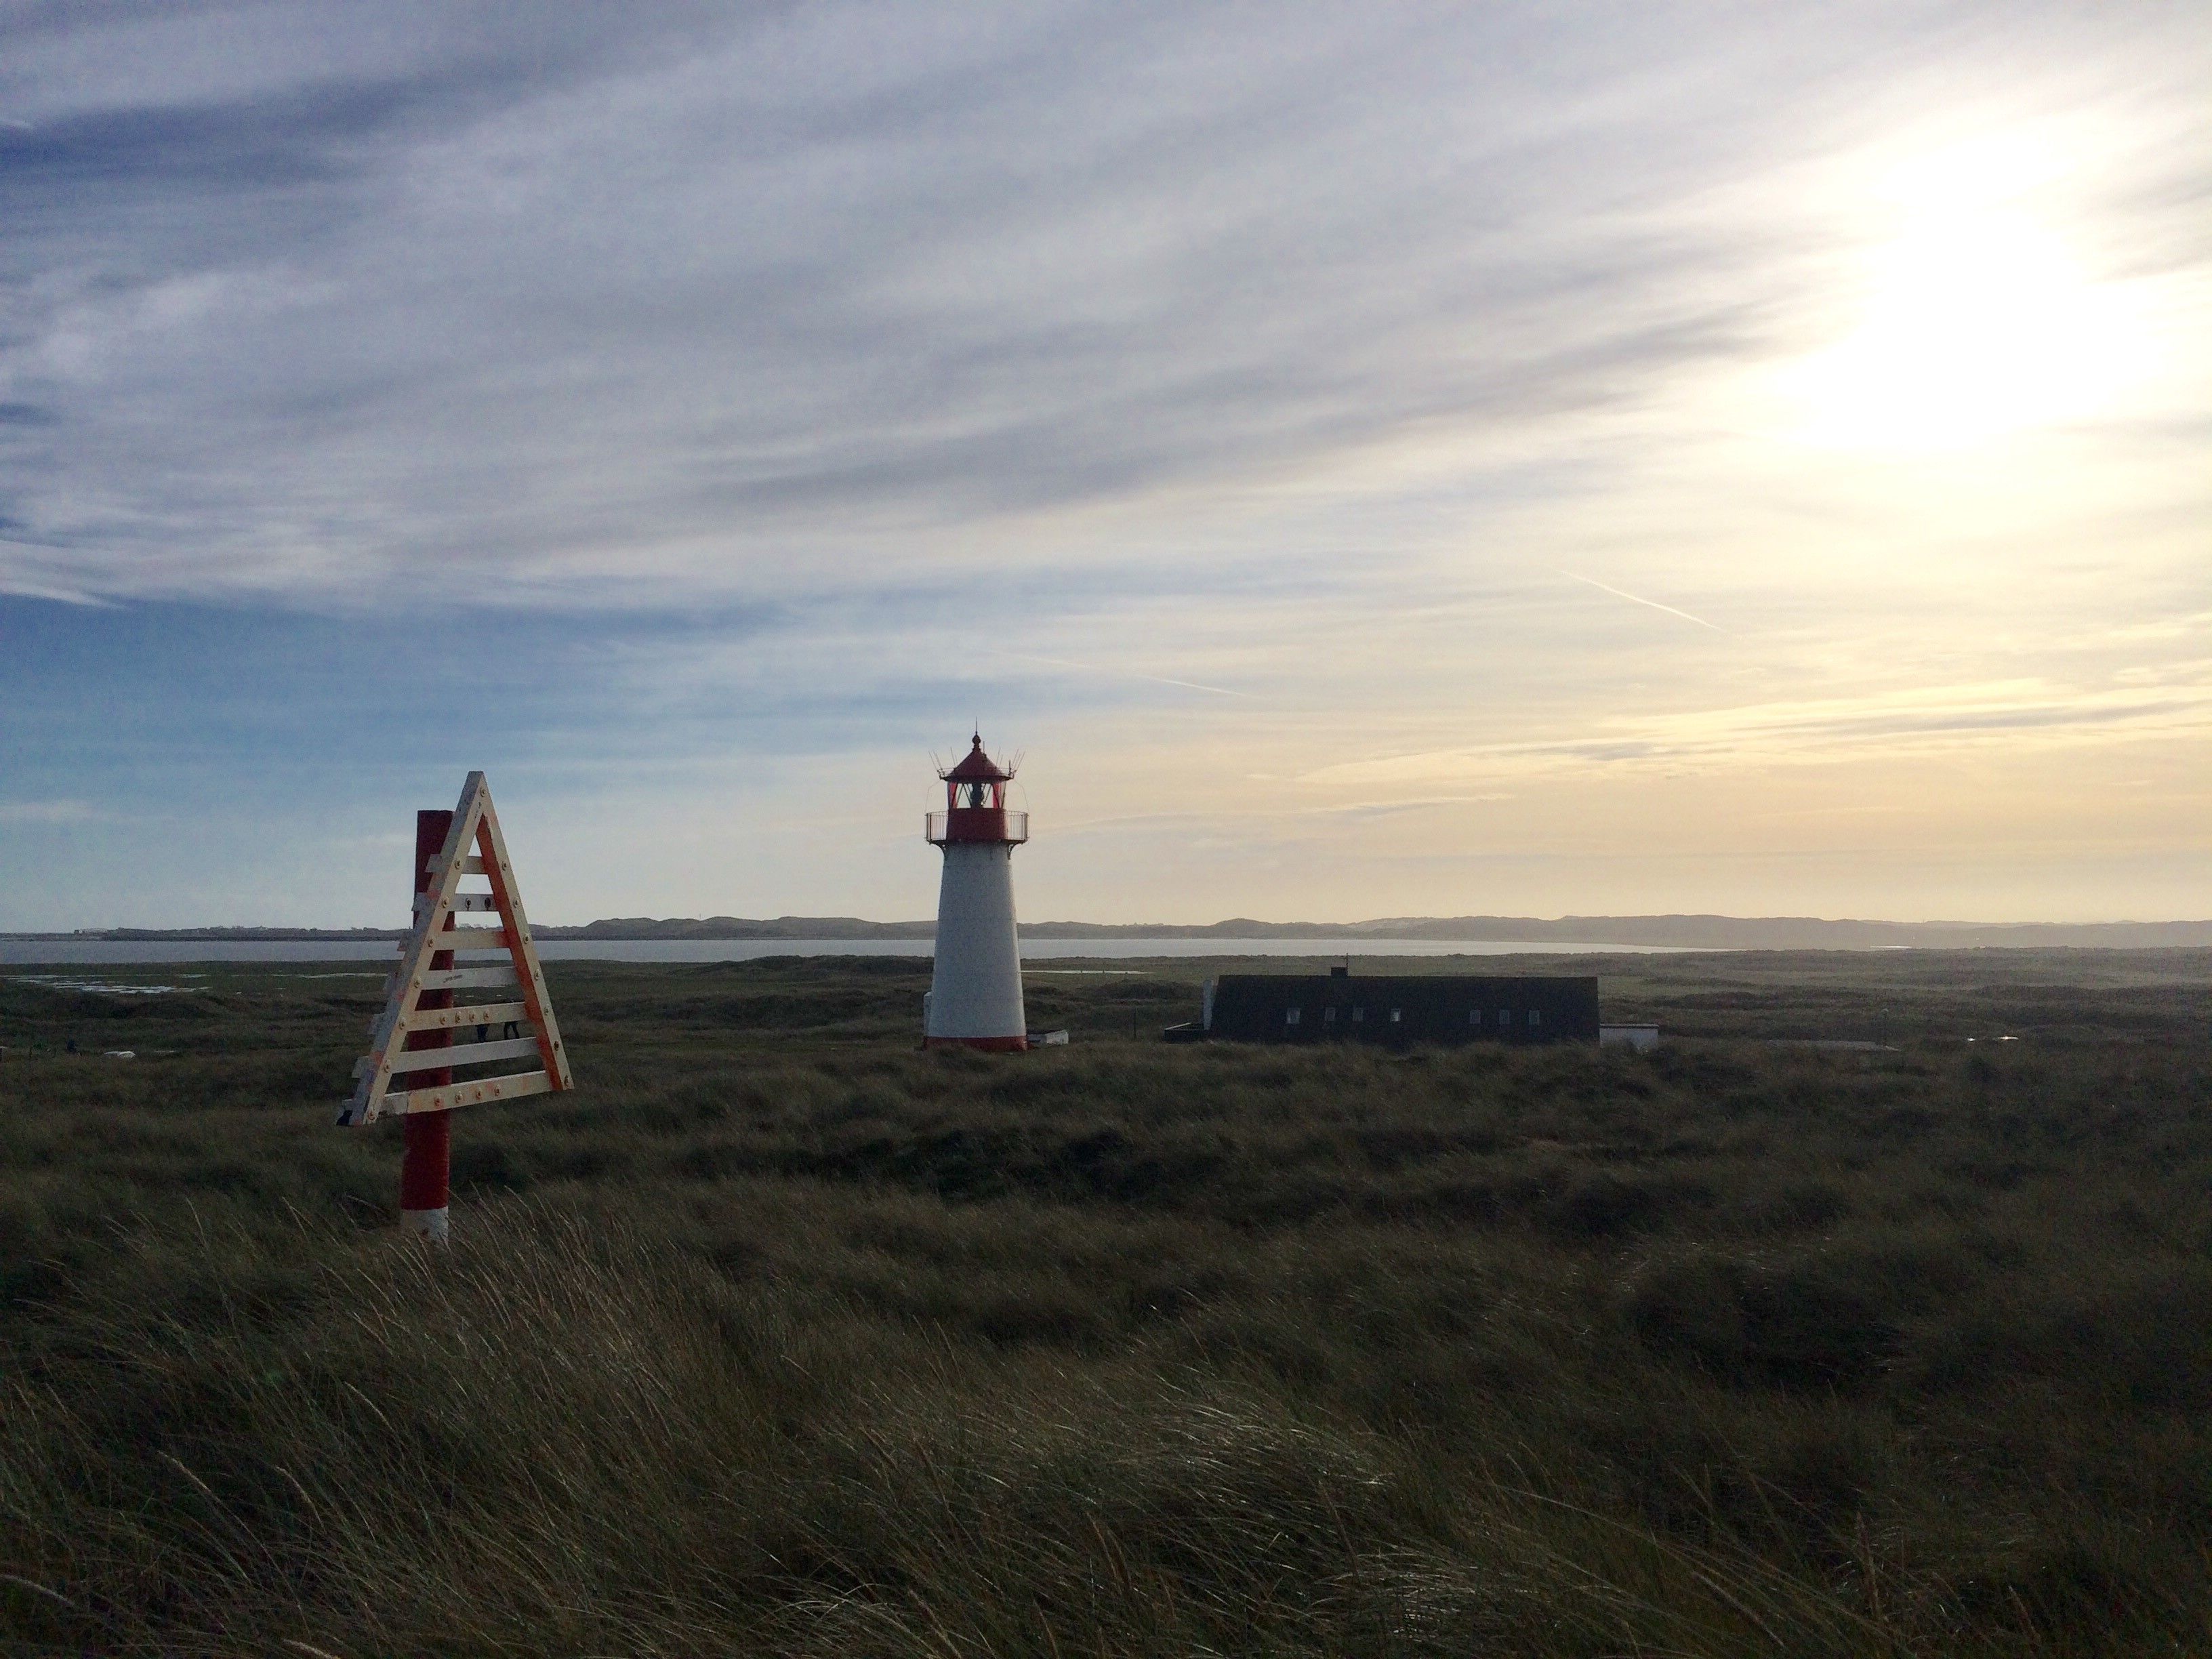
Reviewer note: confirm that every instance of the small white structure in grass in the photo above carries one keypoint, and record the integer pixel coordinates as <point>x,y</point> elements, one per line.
<point>1642,1038</point>
<point>976,989</point>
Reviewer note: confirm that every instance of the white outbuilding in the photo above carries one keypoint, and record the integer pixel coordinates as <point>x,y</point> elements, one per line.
<point>975,990</point>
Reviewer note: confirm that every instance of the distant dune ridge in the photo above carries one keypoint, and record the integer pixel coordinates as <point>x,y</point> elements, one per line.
<point>1703,932</point>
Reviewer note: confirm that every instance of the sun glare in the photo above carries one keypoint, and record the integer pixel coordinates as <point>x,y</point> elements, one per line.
<point>1977,322</point>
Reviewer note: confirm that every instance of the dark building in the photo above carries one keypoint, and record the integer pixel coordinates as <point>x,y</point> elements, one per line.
<point>1399,1009</point>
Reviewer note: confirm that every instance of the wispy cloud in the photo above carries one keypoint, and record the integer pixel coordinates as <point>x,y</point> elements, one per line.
<point>1895,723</point>
<point>1125,674</point>
<point>1637,598</point>
<point>48,812</point>
<point>823,295</point>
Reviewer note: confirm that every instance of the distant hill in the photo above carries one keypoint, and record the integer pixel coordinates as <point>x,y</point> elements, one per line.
<point>1692,932</point>
<point>742,928</point>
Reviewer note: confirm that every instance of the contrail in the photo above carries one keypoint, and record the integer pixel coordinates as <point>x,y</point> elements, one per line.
<point>1637,598</point>
<point>1126,674</point>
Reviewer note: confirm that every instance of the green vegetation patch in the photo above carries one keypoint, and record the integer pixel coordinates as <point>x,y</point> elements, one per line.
<point>783,1336</point>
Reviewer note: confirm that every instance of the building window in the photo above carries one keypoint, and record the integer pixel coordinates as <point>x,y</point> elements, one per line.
<point>1358,1015</point>
<point>1504,1018</point>
<point>1396,1015</point>
<point>1474,1016</point>
<point>1289,1016</point>
<point>1535,1016</point>
<point>1329,1016</point>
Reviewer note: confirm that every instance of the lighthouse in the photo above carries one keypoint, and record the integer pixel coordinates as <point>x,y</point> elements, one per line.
<point>976,991</point>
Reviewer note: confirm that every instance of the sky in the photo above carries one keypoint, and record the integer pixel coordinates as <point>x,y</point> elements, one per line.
<point>1367,459</point>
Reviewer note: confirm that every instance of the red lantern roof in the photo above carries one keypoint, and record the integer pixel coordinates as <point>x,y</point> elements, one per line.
<point>977,767</point>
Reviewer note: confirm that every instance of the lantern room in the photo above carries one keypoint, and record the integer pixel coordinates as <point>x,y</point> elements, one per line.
<point>975,802</point>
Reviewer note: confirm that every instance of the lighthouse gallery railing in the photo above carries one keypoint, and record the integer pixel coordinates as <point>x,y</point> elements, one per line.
<point>1016,825</point>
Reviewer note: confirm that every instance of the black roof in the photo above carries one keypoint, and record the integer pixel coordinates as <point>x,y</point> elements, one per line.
<point>1405,1007</point>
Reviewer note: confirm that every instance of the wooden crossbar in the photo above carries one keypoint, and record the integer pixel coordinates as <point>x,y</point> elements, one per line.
<point>466,979</point>
<point>455,1019</point>
<point>464,1054</point>
<point>464,904</point>
<point>473,939</point>
<point>480,1092</point>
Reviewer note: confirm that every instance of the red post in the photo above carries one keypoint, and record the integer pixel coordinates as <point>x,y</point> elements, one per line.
<point>426,1166</point>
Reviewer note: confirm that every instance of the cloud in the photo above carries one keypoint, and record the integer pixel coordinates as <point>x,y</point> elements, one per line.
<point>722,405</point>
<point>49,812</point>
<point>1896,724</point>
<point>1125,674</point>
<point>1637,598</point>
<point>822,293</point>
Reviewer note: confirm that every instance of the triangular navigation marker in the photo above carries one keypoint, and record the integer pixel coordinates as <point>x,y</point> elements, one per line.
<point>481,1034</point>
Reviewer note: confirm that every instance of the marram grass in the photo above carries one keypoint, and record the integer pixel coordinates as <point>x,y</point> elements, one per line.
<point>829,1347</point>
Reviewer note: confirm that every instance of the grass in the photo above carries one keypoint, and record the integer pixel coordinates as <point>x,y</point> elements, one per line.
<point>780,1336</point>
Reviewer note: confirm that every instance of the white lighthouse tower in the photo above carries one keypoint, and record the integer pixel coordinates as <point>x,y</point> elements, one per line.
<point>976,992</point>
